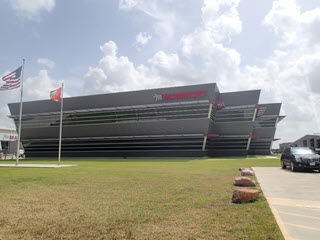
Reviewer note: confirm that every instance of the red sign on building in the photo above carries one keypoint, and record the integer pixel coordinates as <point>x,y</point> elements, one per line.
<point>175,96</point>
<point>219,105</point>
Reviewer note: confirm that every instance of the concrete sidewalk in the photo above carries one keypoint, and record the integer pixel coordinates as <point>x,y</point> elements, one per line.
<point>36,165</point>
<point>294,199</point>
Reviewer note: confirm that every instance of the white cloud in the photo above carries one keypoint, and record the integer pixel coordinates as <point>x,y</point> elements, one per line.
<point>117,73</point>
<point>6,122</point>
<point>291,74</point>
<point>300,40</point>
<point>39,87</point>
<point>167,62</point>
<point>31,8</point>
<point>314,79</point>
<point>112,73</point>
<point>127,4</point>
<point>217,63</point>
<point>293,26</point>
<point>168,70</point>
<point>47,62</point>
<point>94,81</point>
<point>160,11</point>
<point>221,19</point>
<point>284,16</point>
<point>142,40</point>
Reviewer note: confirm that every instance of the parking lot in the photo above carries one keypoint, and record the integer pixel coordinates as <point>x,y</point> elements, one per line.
<point>294,199</point>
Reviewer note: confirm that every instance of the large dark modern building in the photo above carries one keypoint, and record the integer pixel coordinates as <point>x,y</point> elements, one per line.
<point>194,120</point>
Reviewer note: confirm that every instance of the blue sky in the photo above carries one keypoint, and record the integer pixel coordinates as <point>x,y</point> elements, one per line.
<point>96,46</point>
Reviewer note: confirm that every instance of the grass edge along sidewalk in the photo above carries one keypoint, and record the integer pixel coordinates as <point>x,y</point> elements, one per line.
<point>132,199</point>
<point>36,165</point>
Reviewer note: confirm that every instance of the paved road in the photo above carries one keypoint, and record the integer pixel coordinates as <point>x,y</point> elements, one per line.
<point>294,198</point>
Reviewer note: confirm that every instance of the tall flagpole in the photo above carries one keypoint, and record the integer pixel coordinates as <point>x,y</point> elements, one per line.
<point>61,113</point>
<point>20,114</point>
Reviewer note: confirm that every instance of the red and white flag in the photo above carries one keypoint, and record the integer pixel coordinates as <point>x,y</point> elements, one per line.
<point>55,95</point>
<point>12,80</point>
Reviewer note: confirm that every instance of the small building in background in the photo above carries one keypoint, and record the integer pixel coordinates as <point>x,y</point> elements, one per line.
<point>310,140</point>
<point>8,143</point>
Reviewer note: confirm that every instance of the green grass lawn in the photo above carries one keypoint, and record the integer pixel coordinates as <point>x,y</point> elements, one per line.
<point>132,199</point>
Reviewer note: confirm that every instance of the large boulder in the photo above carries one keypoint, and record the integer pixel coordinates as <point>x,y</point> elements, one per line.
<point>244,181</point>
<point>247,172</point>
<point>245,195</point>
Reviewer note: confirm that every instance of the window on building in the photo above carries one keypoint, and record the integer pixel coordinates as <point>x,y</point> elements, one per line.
<point>150,143</point>
<point>156,113</point>
<point>264,122</point>
<point>261,144</point>
<point>318,143</point>
<point>312,143</point>
<point>223,144</point>
<point>235,114</point>
<point>305,144</point>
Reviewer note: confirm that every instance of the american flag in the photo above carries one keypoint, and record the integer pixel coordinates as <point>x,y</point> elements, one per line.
<point>12,80</point>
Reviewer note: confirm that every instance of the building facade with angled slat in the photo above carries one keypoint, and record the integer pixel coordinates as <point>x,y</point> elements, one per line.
<point>190,121</point>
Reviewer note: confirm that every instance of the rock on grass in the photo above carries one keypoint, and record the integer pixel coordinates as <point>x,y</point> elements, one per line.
<point>245,195</point>
<point>244,181</point>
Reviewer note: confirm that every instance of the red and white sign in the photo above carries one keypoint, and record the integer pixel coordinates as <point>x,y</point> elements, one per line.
<point>261,110</point>
<point>219,105</point>
<point>175,96</point>
<point>8,137</point>
<point>55,95</point>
